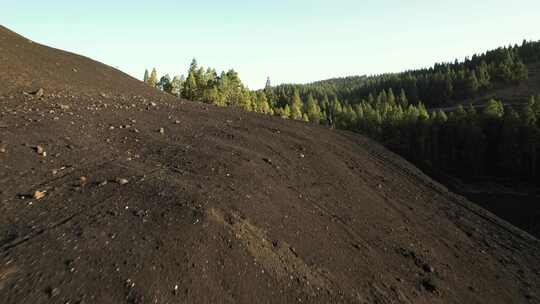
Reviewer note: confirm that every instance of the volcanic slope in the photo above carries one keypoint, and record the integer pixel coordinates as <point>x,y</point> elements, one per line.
<point>112,192</point>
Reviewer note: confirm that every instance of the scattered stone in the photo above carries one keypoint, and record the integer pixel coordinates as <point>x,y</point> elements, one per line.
<point>130,283</point>
<point>122,181</point>
<point>428,268</point>
<point>40,150</point>
<point>153,104</point>
<point>39,194</point>
<point>39,93</point>
<point>53,292</point>
<point>140,213</point>
<point>103,183</point>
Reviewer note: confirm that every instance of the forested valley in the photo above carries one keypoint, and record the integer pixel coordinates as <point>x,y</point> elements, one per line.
<point>402,110</point>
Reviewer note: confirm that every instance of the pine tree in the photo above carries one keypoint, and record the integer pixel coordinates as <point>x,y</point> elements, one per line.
<point>534,103</point>
<point>335,112</point>
<point>313,111</point>
<point>519,71</point>
<point>403,101</point>
<point>176,85</point>
<point>146,76</point>
<point>494,109</point>
<point>391,97</point>
<point>484,79</point>
<point>441,117</point>
<point>472,84</point>
<point>261,104</point>
<point>286,112</point>
<point>164,83</point>
<point>152,81</point>
<point>296,106</point>
<point>189,90</point>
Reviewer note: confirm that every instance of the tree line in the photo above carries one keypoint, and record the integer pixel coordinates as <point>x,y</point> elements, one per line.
<point>467,142</point>
<point>443,84</point>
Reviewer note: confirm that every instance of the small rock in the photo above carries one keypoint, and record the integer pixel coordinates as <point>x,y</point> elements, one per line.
<point>428,268</point>
<point>39,150</point>
<point>3,150</point>
<point>39,93</point>
<point>53,292</point>
<point>39,194</point>
<point>83,180</point>
<point>130,283</point>
<point>177,122</point>
<point>161,130</point>
<point>153,104</point>
<point>302,155</point>
<point>122,181</point>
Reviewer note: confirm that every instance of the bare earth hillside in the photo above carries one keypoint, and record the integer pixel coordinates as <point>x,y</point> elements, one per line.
<point>111,192</point>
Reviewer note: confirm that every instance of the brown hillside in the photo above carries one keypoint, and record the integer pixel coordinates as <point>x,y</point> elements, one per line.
<point>26,65</point>
<point>98,206</point>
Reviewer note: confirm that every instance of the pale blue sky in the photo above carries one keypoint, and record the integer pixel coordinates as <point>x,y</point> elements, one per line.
<point>289,41</point>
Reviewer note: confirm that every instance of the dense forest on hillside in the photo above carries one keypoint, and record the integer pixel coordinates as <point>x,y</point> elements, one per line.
<point>441,85</point>
<point>494,141</point>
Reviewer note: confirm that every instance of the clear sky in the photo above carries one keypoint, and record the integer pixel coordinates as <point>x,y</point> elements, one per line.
<point>290,41</point>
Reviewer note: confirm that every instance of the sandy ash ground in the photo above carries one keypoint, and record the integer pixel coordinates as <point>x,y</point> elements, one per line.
<point>112,192</point>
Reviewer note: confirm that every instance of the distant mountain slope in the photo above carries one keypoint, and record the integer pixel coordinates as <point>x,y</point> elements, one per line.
<point>510,73</point>
<point>138,197</point>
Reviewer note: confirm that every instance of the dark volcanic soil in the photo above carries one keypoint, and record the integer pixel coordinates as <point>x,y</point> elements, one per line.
<point>221,206</point>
